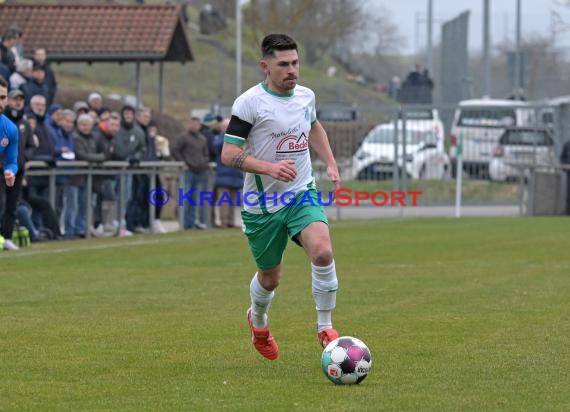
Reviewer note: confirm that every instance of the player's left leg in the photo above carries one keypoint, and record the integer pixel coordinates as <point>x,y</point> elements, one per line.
<point>307,225</point>
<point>315,239</point>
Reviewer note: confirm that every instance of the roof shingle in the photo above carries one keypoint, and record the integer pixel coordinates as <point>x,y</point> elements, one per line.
<point>101,33</point>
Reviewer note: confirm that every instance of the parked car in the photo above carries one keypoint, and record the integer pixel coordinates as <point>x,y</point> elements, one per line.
<point>427,118</point>
<point>479,124</point>
<point>521,146</point>
<point>424,158</point>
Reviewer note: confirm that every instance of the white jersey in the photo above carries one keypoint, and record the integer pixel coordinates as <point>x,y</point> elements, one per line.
<point>280,130</point>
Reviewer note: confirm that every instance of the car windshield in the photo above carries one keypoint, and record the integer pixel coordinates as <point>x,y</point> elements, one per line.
<point>526,138</point>
<point>495,117</point>
<point>387,136</point>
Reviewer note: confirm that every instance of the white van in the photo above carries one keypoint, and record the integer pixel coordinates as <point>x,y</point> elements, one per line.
<point>477,125</point>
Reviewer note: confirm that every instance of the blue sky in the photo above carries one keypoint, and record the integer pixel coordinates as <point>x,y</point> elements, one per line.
<point>536,18</point>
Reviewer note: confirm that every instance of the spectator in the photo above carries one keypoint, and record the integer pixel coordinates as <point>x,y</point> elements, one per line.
<point>66,195</point>
<point>95,102</point>
<point>227,183</point>
<point>86,149</point>
<point>80,107</point>
<point>208,130</point>
<point>191,147</point>
<point>15,112</point>
<point>565,160</point>
<point>10,39</point>
<point>45,145</point>
<point>22,74</point>
<point>130,145</point>
<point>105,143</point>
<point>144,120</point>
<point>36,85</point>
<point>40,57</point>
<point>54,118</point>
<point>161,143</point>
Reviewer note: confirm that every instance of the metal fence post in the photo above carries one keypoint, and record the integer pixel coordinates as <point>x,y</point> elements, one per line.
<point>152,207</point>
<point>89,203</point>
<point>180,207</point>
<point>52,188</point>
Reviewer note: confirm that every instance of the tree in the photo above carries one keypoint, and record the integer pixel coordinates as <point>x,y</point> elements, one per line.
<point>317,24</point>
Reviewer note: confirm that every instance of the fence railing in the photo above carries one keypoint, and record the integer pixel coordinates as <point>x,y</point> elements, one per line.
<point>122,169</point>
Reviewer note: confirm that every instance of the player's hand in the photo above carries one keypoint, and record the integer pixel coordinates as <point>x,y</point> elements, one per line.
<point>284,171</point>
<point>10,178</point>
<point>334,176</point>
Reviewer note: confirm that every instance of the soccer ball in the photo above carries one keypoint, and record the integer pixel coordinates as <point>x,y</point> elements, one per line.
<point>346,361</point>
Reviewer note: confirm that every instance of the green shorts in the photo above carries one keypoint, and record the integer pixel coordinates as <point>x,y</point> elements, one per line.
<point>268,233</point>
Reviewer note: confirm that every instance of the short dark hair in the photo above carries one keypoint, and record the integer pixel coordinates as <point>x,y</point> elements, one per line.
<point>279,42</point>
<point>3,82</point>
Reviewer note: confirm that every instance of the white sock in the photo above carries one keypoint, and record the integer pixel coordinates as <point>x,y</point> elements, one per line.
<point>325,285</point>
<point>260,301</point>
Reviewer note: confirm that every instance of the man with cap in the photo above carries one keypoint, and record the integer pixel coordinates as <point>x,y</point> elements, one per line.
<point>208,129</point>
<point>8,140</point>
<point>36,85</point>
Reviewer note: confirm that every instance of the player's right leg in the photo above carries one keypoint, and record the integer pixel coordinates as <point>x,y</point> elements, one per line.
<point>262,292</point>
<point>267,239</point>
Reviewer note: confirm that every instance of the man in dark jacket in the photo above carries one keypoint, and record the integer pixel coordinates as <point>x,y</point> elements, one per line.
<point>45,147</point>
<point>86,149</point>
<point>227,183</point>
<point>130,145</point>
<point>191,147</point>
<point>40,58</point>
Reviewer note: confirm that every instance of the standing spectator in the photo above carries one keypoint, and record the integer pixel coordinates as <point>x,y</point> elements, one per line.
<point>86,149</point>
<point>191,147</point>
<point>22,74</point>
<point>144,116</point>
<point>95,102</point>
<point>105,143</point>
<point>40,57</point>
<point>565,160</point>
<point>130,145</point>
<point>45,147</point>
<point>54,116</point>
<point>10,39</point>
<point>80,107</point>
<point>162,152</point>
<point>36,85</point>
<point>208,130</point>
<point>15,112</point>
<point>227,183</point>
<point>65,150</point>
<point>161,143</point>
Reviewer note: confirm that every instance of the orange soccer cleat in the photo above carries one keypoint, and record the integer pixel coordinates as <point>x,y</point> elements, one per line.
<point>263,340</point>
<point>327,336</point>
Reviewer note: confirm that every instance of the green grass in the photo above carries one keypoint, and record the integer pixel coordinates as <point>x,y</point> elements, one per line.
<point>469,314</point>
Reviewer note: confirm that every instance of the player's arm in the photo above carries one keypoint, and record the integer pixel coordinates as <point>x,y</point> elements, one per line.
<point>11,156</point>
<point>320,143</point>
<point>235,156</point>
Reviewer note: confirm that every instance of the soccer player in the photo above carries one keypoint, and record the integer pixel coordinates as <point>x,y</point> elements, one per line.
<point>8,138</point>
<point>268,137</point>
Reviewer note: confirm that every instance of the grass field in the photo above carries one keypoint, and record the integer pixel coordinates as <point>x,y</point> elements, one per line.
<point>470,315</point>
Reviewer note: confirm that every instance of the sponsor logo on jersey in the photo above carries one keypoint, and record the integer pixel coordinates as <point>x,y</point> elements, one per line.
<point>4,142</point>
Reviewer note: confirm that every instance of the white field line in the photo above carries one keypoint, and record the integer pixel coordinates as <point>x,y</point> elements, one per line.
<point>22,253</point>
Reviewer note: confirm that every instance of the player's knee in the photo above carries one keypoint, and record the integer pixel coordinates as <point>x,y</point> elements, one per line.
<point>323,256</point>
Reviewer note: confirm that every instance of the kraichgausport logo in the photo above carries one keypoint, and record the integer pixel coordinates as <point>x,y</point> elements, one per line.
<point>341,197</point>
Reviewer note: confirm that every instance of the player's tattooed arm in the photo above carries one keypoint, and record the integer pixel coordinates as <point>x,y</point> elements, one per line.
<point>239,159</point>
